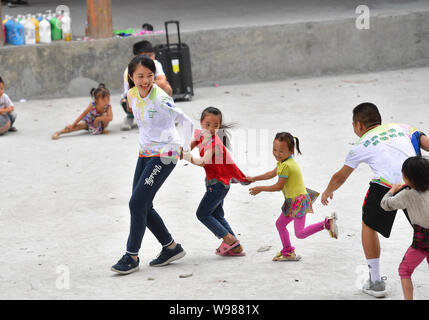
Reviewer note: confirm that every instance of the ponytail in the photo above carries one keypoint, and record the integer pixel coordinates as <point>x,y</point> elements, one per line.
<point>100,91</point>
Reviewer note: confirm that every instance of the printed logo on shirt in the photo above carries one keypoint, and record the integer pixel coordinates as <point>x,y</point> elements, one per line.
<point>151,113</point>
<point>383,136</point>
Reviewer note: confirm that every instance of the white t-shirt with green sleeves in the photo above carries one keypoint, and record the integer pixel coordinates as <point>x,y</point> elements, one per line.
<point>384,149</point>
<point>155,116</point>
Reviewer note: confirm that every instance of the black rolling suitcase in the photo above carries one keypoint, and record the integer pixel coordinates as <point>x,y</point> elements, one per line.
<point>176,62</point>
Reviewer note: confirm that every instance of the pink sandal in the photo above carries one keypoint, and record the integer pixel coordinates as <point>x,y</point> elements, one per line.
<point>234,254</point>
<point>225,249</point>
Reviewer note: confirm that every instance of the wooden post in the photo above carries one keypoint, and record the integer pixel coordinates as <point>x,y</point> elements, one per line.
<point>99,15</point>
<point>1,28</point>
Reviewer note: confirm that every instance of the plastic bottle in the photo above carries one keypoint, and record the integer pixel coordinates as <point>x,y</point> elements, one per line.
<point>39,17</point>
<point>29,32</point>
<point>14,32</point>
<point>20,18</point>
<point>56,31</point>
<point>8,25</point>
<point>6,19</point>
<point>60,14</point>
<point>45,30</point>
<point>36,25</point>
<point>66,27</point>
<point>49,15</point>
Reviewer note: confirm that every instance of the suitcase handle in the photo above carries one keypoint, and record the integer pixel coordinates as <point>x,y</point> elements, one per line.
<point>166,23</point>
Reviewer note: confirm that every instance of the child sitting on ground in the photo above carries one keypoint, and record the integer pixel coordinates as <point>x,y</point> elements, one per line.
<point>96,116</point>
<point>7,114</point>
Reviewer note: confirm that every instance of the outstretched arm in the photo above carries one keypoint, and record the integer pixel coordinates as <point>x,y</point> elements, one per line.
<point>83,114</point>
<point>266,176</point>
<point>275,187</point>
<point>391,202</point>
<point>201,162</point>
<point>336,181</point>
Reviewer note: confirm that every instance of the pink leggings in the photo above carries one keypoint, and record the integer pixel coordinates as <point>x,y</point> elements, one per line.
<point>411,260</point>
<point>301,231</point>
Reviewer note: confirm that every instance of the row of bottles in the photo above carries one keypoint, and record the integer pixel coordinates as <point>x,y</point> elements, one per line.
<point>32,29</point>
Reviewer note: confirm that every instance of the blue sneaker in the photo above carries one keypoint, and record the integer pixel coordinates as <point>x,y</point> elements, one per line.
<point>126,265</point>
<point>167,256</point>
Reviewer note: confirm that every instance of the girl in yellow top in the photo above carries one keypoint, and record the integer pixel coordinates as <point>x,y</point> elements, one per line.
<point>298,199</point>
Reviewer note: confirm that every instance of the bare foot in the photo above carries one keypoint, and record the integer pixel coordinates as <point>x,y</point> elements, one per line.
<point>105,131</point>
<point>55,136</point>
<point>237,249</point>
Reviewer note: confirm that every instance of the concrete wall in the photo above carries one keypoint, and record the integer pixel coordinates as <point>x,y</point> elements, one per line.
<point>225,55</point>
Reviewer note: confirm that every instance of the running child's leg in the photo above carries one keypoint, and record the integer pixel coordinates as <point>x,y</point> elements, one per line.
<point>153,173</point>
<point>281,225</point>
<point>219,215</point>
<point>302,231</point>
<point>230,237</point>
<point>212,200</point>
<point>411,260</point>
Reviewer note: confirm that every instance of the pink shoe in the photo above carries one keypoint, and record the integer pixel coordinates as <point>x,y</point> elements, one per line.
<point>225,249</point>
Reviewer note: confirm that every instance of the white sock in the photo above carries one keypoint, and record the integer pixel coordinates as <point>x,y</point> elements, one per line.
<point>374,269</point>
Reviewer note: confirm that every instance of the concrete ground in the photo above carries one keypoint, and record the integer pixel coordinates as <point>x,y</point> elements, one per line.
<point>64,204</point>
<point>207,14</point>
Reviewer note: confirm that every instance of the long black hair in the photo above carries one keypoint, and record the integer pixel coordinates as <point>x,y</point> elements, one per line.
<point>135,62</point>
<point>223,133</point>
<point>290,140</point>
<point>416,169</point>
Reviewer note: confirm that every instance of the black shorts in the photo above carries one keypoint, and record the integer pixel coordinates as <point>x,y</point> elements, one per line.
<point>373,214</point>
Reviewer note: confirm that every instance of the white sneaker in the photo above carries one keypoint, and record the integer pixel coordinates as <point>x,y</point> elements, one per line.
<point>333,228</point>
<point>376,289</point>
<point>126,125</point>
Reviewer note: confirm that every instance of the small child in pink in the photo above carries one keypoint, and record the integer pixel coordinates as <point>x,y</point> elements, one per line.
<point>298,198</point>
<point>415,173</point>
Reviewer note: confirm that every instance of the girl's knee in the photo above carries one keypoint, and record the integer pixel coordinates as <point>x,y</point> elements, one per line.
<point>201,215</point>
<point>281,223</point>
<point>299,234</point>
<point>404,271</point>
<point>135,204</point>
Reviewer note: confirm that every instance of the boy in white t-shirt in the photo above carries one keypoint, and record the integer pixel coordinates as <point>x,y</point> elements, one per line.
<point>143,48</point>
<point>384,148</point>
<point>7,114</point>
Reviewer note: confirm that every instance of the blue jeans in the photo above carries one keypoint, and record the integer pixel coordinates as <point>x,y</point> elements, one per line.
<point>210,211</point>
<point>149,176</point>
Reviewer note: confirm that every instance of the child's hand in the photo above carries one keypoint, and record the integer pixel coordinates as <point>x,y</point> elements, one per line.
<point>251,179</point>
<point>395,188</point>
<point>255,190</point>
<point>325,197</point>
<point>187,156</point>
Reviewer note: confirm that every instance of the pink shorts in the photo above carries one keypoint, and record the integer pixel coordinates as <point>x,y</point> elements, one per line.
<point>411,260</point>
